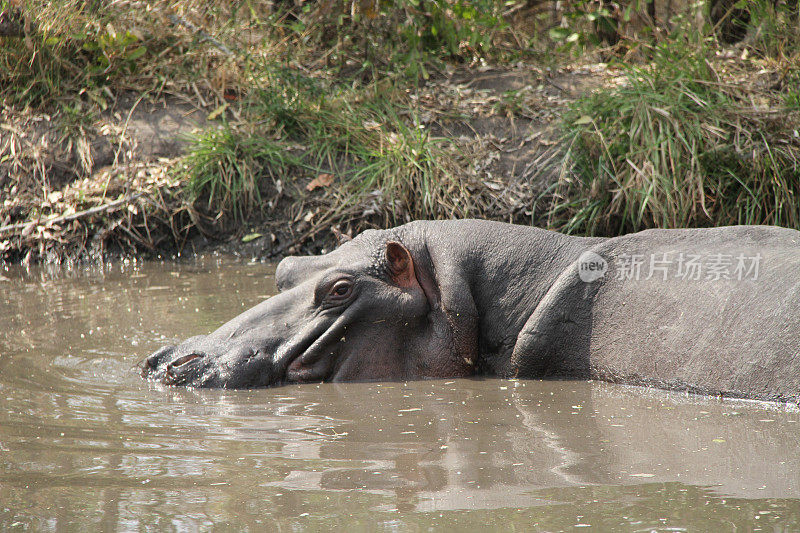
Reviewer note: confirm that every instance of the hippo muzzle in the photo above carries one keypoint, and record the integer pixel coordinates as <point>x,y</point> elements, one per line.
<point>280,340</point>
<point>185,364</point>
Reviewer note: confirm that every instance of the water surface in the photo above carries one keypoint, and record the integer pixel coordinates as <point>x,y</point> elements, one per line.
<point>86,445</point>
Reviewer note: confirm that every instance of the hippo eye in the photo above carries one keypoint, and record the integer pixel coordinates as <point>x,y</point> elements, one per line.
<point>341,289</point>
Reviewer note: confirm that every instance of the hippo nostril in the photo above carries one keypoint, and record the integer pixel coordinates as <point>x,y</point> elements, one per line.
<point>156,359</point>
<point>180,361</point>
<point>170,376</point>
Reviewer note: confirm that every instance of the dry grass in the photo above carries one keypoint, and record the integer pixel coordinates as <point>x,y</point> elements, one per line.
<point>91,52</point>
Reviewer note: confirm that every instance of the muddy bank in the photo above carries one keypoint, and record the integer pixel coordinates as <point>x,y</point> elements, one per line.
<point>78,184</point>
<point>73,182</point>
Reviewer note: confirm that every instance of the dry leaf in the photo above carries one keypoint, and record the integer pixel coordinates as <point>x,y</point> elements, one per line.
<point>322,180</point>
<point>217,112</point>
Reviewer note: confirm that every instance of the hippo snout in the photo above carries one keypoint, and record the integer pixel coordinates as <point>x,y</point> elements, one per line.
<point>201,363</point>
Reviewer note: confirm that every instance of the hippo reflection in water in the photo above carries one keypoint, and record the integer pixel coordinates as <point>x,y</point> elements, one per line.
<point>715,311</point>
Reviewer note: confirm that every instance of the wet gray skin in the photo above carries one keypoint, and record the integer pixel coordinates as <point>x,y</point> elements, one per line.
<point>456,298</point>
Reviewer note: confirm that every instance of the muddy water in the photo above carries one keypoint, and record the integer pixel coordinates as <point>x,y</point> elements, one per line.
<point>85,445</point>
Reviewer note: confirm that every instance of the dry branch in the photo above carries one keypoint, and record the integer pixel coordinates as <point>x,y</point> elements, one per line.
<point>12,228</point>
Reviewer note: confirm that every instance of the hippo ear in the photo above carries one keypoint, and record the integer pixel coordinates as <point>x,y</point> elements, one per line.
<point>401,265</point>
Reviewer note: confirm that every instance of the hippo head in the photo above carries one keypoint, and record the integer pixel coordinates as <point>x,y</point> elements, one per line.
<point>369,310</point>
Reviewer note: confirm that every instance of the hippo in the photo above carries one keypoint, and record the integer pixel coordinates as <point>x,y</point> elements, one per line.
<point>714,311</point>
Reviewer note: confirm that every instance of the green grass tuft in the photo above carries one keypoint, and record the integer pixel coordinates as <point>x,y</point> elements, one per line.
<point>296,128</point>
<point>676,147</point>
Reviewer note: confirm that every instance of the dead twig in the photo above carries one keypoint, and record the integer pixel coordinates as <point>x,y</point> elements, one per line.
<point>12,228</point>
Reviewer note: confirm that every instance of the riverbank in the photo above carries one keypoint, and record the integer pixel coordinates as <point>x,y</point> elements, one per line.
<point>182,126</point>
<point>115,186</point>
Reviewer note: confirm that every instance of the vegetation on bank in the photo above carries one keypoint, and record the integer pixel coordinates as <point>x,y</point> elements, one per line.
<point>319,114</point>
<point>299,128</point>
<point>683,142</point>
